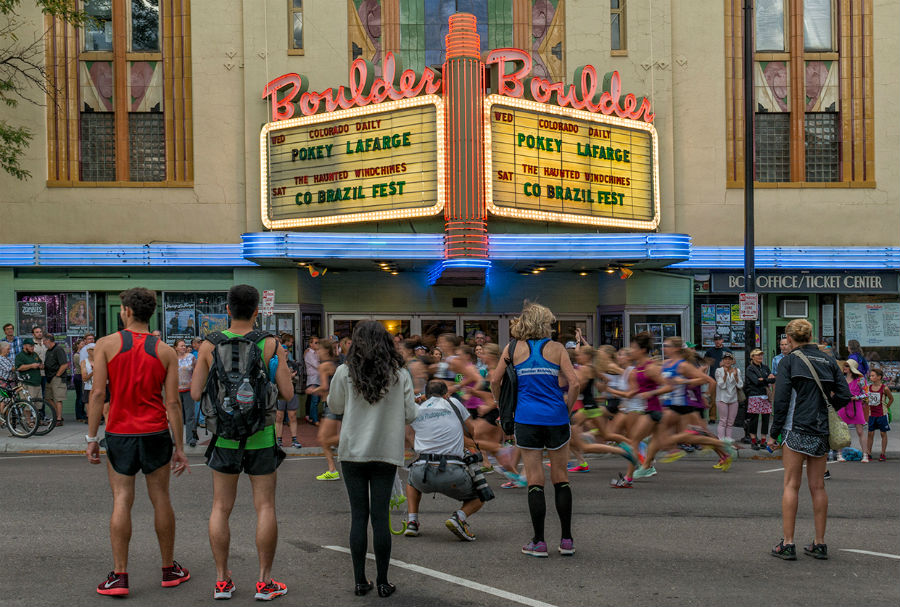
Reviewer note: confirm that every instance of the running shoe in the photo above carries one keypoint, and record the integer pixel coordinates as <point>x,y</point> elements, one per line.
<point>266,591</point>
<point>566,547</point>
<point>629,453</point>
<point>116,584</point>
<point>174,575</point>
<point>538,549</point>
<point>582,467</point>
<point>518,484</point>
<point>817,551</point>
<point>673,456</point>
<point>840,457</point>
<point>644,472</point>
<point>882,458</point>
<point>412,529</point>
<point>725,463</point>
<point>827,475</point>
<point>620,483</point>
<point>296,444</point>
<point>865,458</point>
<point>460,528</point>
<point>328,475</point>
<point>788,552</point>
<point>223,589</point>
<point>686,447</point>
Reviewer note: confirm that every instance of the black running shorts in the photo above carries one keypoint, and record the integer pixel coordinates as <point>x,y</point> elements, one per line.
<point>255,462</point>
<point>129,453</point>
<point>683,409</point>
<point>612,405</point>
<point>529,436</point>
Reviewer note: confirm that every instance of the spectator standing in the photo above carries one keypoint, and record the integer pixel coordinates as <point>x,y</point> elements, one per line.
<point>714,357</point>
<point>728,380</point>
<point>311,360</point>
<point>87,373</point>
<point>186,364</point>
<point>15,343</point>
<point>880,400</point>
<point>856,354</point>
<point>801,414</point>
<point>855,413</point>
<point>29,364</point>
<point>37,335</point>
<point>56,365</point>
<point>756,387</point>
<point>7,366</point>
<point>784,348</point>
<point>288,406</point>
<point>78,381</point>
<point>543,368</point>
<point>375,397</point>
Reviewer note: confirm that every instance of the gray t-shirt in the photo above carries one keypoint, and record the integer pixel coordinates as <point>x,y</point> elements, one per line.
<point>437,428</point>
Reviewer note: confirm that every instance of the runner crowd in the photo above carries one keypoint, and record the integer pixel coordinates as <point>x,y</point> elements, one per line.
<point>573,399</point>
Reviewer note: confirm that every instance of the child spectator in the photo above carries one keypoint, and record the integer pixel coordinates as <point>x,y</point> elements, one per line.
<point>880,399</point>
<point>854,414</point>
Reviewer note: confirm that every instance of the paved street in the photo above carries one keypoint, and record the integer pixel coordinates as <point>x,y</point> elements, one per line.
<point>690,536</point>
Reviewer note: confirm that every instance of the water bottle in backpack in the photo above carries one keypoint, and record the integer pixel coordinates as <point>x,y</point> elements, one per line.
<point>244,396</point>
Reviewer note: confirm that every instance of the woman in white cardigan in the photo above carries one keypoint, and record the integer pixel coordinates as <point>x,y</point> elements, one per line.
<point>375,395</point>
<point>728,380</point>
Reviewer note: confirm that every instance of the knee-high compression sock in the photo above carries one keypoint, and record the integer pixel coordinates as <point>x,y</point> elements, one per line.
<point>538,509</point>
<point>563,498</point>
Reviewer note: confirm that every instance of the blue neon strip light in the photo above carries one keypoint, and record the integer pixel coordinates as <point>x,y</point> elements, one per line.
<point>17,254</point>
<point>435,271</point>
<point>153,255</point>
<point>794,258</point>
<point>341,245</point>
<point>589,246</point>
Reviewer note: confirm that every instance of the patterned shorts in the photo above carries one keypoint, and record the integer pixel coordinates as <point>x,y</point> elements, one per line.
<point>813,445</point>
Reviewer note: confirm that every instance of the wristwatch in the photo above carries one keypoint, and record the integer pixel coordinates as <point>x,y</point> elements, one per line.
<point>91,439</point>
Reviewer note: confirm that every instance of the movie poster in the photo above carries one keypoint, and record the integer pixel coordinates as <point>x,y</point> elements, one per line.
<point>31,314</point>
<point>210,323</point>
<point>79,315</point>
<point>736,313</point>
<point>723,314</point>
<point>707,314</point>
<point>179,321</point>
<point>669,329</point>
<point>707,333</point>
<point>737,335</point>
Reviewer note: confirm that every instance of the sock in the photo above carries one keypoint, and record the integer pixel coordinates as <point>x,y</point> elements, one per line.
<point>461,516</point>
<point>538,510</point>
<point>412,517</point>
<point>563,498</point>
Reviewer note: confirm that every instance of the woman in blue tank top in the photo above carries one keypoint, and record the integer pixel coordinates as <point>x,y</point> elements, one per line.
<point>547,390</point>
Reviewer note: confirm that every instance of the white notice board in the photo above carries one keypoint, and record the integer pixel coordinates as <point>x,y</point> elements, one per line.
<point>872,325</point>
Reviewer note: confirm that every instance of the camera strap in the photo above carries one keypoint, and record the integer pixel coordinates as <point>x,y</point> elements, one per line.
<point>461,422</point>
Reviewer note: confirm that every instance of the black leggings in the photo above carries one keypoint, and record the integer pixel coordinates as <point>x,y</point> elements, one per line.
<point>751,423</point>
<point>365,479</point>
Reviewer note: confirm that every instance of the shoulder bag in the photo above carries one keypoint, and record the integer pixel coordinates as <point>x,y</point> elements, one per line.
<point>838,432</point>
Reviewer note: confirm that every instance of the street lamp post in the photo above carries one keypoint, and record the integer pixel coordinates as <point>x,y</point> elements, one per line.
<point>749,236</point>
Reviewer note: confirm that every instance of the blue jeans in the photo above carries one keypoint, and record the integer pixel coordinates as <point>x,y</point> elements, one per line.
<point>312,407</point>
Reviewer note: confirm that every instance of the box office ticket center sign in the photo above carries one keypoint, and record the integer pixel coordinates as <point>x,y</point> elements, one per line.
<point>362,164</point>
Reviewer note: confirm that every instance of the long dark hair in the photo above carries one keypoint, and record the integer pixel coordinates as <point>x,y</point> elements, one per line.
<point>373,361</point>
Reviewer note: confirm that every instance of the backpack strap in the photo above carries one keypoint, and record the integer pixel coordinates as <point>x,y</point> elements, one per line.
<point>211,447</point>
<point>815,376</point>
<point>511,354</point>
<point>216,337</point>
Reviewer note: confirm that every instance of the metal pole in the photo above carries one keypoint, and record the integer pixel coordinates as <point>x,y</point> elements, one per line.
<point>749,236</point>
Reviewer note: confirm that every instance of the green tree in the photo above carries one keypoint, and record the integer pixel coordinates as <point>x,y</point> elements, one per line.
<point>22,71</point>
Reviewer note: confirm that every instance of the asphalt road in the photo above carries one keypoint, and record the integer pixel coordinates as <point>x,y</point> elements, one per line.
<point>690,536</point>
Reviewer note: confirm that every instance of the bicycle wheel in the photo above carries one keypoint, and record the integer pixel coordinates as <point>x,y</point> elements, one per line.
<point>46,415</point>
<point>21,419</point>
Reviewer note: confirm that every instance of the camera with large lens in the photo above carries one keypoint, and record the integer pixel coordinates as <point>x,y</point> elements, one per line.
<point>482,489</point>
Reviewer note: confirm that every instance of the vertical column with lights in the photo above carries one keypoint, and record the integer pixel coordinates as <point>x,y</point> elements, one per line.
<point>463,79</point>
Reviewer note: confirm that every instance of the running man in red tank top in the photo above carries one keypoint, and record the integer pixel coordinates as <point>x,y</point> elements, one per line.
<point>139,368</point>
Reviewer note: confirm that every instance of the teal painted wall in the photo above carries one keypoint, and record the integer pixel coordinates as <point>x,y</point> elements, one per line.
<point>283,280</point>
<point>7,296</point>
<point>659,289</point>
<point>770,335</point>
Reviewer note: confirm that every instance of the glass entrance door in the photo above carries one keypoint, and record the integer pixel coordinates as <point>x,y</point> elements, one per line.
<point>489,326</point>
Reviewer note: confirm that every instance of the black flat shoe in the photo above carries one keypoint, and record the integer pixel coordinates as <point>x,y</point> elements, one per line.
<point>362,589</point>
<point>386,590</point>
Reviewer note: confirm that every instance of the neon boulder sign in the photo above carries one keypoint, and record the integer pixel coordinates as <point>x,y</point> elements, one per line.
<point>510,69</point>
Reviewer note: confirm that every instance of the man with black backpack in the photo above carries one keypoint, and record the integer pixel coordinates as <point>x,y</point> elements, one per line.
<point>235,381</point>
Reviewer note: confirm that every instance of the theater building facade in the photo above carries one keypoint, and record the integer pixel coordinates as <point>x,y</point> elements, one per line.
<point>432,163</point>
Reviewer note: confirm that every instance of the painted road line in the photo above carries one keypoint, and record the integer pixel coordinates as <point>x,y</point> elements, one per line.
<point>885,555</point>
<point>446,577</point>
<point>13,456</point>
<point>780,469</point>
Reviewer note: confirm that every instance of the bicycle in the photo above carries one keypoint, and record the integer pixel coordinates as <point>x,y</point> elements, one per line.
<point>17,413</point>
<point>46,413</point>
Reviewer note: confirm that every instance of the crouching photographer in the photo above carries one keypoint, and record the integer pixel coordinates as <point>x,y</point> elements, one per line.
<point>442,465</point>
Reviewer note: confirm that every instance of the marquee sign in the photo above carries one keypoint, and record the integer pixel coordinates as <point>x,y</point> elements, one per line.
<point>406,144</point>
<point>548,163</point>
<point>363,164</point>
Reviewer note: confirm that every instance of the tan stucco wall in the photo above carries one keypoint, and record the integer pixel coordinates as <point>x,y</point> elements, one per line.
<point>238,47</point>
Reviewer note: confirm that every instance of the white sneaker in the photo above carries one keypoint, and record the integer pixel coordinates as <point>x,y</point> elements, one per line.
<point>840,458</point>
<point>865,458</point>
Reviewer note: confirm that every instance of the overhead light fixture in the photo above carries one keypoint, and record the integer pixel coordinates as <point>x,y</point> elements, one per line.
<point>583,273</point>
<point>610,270</point>
<point>535,271</point>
